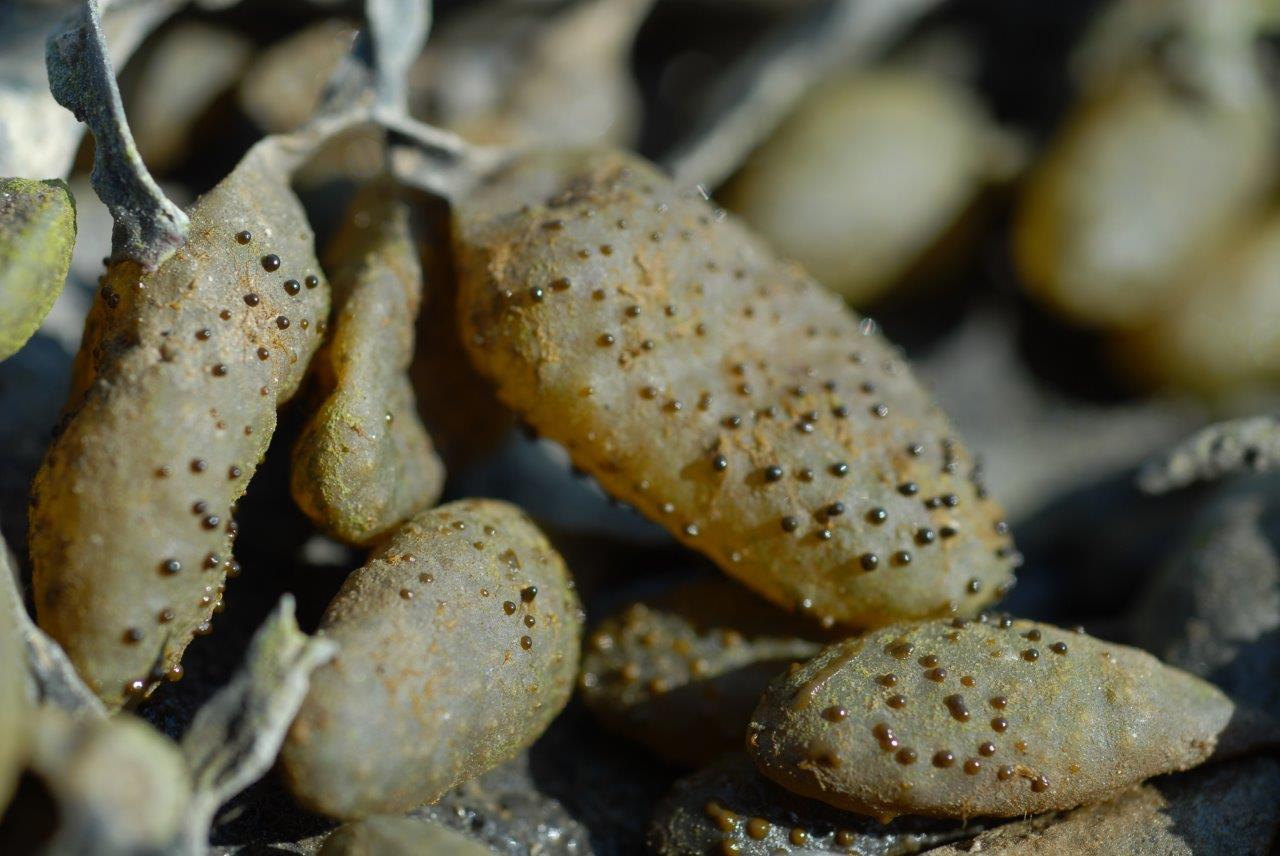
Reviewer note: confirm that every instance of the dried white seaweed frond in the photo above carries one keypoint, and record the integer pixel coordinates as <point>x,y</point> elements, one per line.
<point>51,679</point>
<point>1238,446</point>
<point>399,29</point>
<point>148,226</point>
<point>1214,610</point>
<point>235,737</point>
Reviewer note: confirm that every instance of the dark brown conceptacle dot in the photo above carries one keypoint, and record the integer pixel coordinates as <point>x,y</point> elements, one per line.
<point>199,465</point>
<point>999,702</point>
<point>798,836</point>
<point>292,286</point>
<point>509,607</point>
<point>790,524</point>
<point>1000,724</point>
<point>528,593</point>
<point>906,755</point>
<point>1005,772</point>
<point>252,299</point>
<point>244,236</point>
<point>834,713</point>
<point>901,650</point>
<point>1058,647</point>
<point>220,370</point>
<point>937,675</point>
<point>897,702</point>
<point>1039,784</point>
<point>869,561</point>
<point>526,642</point>
<point>171,566</point>
<point>972,766</point>
<point>270,262</point>
<point>282,322</point>
<point>1031,655</point>
<point>203,334</point>
<point>943,759</point>
<point>773,473</point>
<point>987,749</point>
<point>959,710</point>
<point>888,680</point>
<point>312,280</point>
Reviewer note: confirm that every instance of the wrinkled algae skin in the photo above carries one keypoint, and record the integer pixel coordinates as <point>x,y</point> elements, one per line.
<point>458,644</point>
<point>364,463</point>
<point>1035,719</point>
<point>14,706</point>
<point>173,403</point>
<point>120,786</point>
<point>1143,179</point>
<point>37,234</point>
<point>730,805</point>
<point>680,362</point>
<point>683,673</point>
<point>400,836</point>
